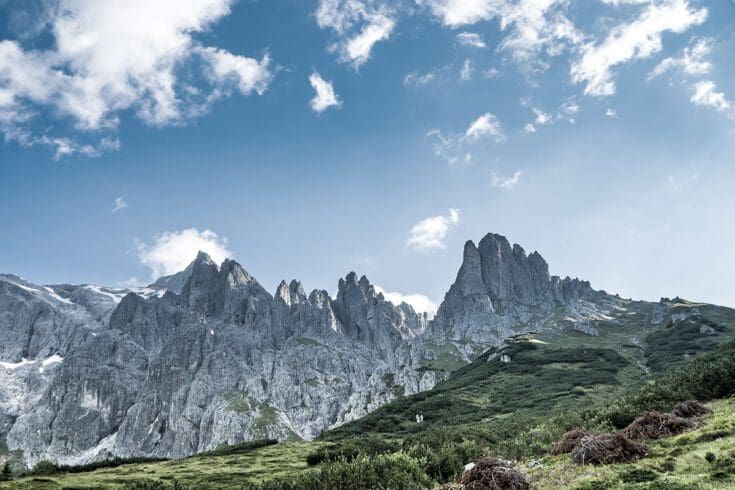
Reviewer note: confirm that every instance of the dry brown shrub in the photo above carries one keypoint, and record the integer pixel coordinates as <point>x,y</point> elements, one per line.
<point>494,474</point>
<point>689,409</point>
<point>607,449</point>
<point>654,425</point>
<point>568,441</point>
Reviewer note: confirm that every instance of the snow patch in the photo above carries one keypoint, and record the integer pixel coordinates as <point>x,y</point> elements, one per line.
<point>29,289</point>
<point>55,359</point>
<point>56,297</point>
<point>149,292</point>
<point>116,297</point>
<point>14,366</point>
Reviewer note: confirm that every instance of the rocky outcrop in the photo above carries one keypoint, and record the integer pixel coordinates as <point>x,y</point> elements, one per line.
<point>500,292</point>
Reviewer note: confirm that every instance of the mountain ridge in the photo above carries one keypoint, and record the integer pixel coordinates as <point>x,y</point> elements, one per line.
<point>220,360</point>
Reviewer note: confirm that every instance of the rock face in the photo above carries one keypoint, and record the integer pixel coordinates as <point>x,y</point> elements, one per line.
<point>500,291</point>
<point>209,357</point>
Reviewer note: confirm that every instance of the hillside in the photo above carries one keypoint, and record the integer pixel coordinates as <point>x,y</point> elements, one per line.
<point>437,452</point>
<point>557,369</point>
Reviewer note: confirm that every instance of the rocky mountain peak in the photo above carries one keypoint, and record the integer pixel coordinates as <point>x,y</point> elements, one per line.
<point>291,293</point>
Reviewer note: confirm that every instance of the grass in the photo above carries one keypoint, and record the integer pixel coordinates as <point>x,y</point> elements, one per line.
<point>678,462</point>
<point>275,461</point>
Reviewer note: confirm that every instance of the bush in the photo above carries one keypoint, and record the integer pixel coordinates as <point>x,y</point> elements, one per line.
<point>709,377</point>
<point>49,468</point>
<point>347,451</point>
<point>147,484</point>
<point>240,448</point>
<point>396,471</point>
<point>44,468</point>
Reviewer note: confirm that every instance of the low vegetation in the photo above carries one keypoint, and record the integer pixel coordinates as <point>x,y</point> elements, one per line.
<point>535,402</point>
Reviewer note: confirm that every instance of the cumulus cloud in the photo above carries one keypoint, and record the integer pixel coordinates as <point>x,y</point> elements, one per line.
<point>325,96</point>
<point>610,112</point>
<point>706,94</point>
<point>172,252</point>
<point>419,302</point>
<point>358,26</point>
<point>693,60</point>
<point>485,126</point>
<point>627,42</point>
<point>505,183</point>
<point>120,204</point>
<point>113,57</point>
<point>471,39</point>
<point>429,233</point>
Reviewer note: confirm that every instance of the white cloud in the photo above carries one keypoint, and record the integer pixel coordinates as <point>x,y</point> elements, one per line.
<point>325,96</point>
<point>248,75</point>
<point>466,72</point>
<point>484,126</point>
<point>416,79</point>
<point>529,128</point>
<point>111,57</point>
<point>568,111</point>
<point>532,26</point>
<point>627,42</point>
<point>429,233</point>
<point>419,302</point>
<point>505,183</point>
<point>610,112</point>
<point>453,149</point>
<point>120,204</point>
<point>456,13</point>
<point>358,24</point>
<point>448,147</point>
<point>490,73</point>
<point>706,94</point>
<point>542,118</point>
<point>172,252</point>
<point>691,62</point>
<point>471,39</point>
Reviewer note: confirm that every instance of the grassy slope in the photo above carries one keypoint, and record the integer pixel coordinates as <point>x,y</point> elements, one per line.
<point>676,462</point>
<point>561,369</point>
<point>201,471</point>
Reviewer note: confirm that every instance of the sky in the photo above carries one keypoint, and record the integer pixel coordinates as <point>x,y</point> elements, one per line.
<point>309,138</point>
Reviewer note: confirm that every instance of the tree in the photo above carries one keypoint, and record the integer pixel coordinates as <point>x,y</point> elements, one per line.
<point>7,473</point>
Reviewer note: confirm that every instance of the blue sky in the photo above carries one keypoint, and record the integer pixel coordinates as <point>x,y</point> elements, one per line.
<point>310,138</point>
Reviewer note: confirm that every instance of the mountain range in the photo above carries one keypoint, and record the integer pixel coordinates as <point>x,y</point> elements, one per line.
<point>208,357</point>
